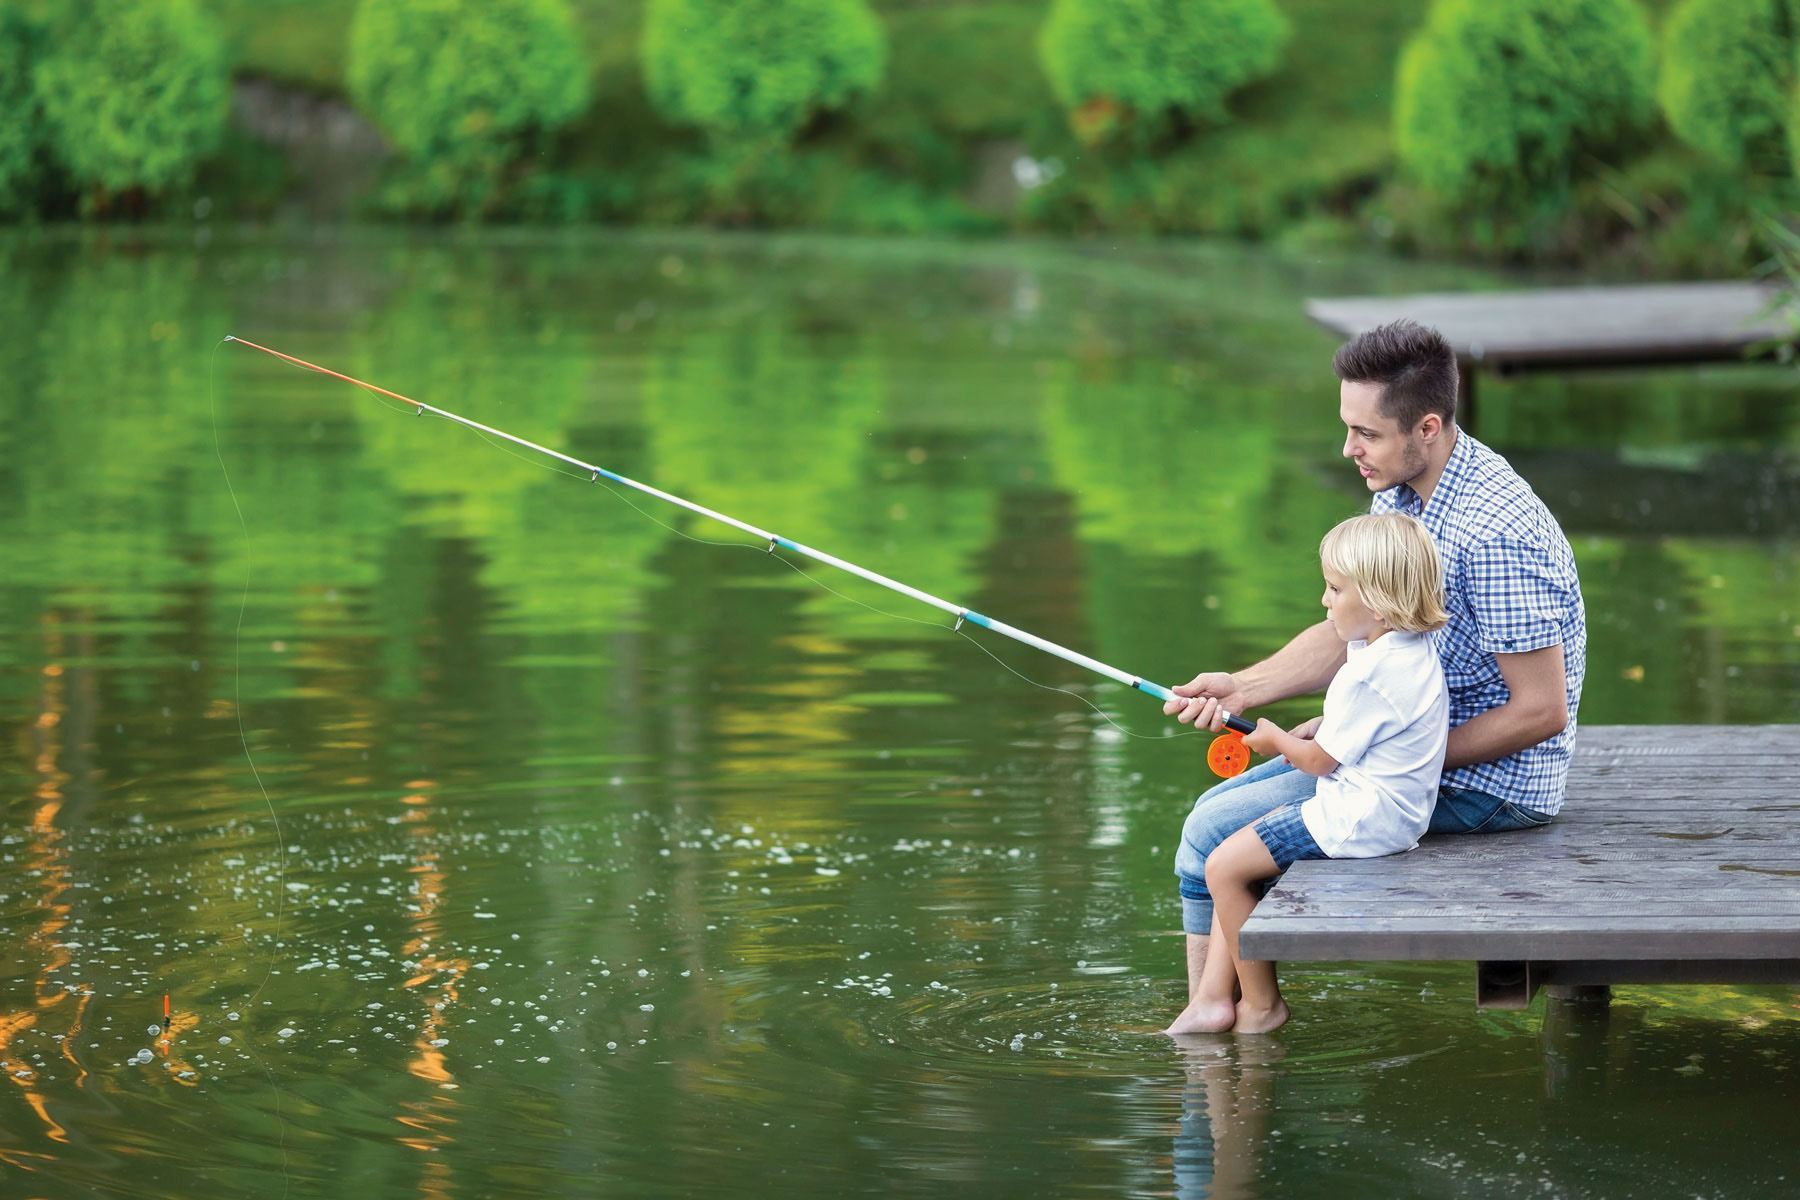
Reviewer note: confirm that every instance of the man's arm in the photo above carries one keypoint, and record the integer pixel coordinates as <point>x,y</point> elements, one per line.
<point>1537,709</point>
<point>1304,665</point>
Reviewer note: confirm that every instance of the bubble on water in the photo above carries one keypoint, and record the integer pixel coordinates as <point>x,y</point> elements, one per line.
<point>286,1031</point>
<point>612,1045</point>
<point>153,1029</point>
<point>143,1056</point>
<point>647,1008</point>
<point>224,1041</point>
<point>231,1016</point>
<point>642,973</point>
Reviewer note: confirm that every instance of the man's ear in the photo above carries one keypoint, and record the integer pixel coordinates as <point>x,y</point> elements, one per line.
<point>1430,426</point>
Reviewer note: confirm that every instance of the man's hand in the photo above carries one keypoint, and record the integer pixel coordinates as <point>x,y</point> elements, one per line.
<point>1210,695</point>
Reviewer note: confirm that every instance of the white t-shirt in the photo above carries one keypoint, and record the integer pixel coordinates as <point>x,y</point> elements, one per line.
<point>1387,718</point>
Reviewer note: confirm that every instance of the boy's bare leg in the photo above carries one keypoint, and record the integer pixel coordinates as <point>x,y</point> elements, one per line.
<point>1212,1008</point>
<point>1240,861</point>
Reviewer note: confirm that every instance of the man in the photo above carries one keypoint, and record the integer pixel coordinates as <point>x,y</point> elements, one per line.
<point>1513,652</point>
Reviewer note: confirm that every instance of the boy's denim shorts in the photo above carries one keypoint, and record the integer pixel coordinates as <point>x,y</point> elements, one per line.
<point>1284,833</point>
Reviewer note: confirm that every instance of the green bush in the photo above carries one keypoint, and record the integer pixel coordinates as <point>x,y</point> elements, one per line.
<point>1109,60</point>
<point>1727,82</point>
<point>1497,101</point>
<point>758,70</point>
<point>19,120</point>
<point>134,92</point>
<point>463,88</point>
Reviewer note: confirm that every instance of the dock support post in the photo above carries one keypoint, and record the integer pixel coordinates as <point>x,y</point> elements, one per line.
<point>1506,983</point>
<point>1465,394</point>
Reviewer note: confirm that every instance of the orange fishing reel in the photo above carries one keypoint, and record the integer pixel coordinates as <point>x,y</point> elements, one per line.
<point>1228,756</point>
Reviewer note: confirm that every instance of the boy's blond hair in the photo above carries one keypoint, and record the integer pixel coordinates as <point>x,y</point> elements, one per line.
<point>1394,564</point>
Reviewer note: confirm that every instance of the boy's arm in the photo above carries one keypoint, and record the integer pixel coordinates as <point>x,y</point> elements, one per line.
<point>1269,739</point>
<point>1306,664</point>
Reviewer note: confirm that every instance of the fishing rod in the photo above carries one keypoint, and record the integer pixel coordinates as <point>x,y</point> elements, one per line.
<point>1228,756</point>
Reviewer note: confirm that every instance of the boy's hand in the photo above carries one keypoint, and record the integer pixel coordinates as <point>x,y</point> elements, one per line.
<point>1307,730</point>
<point>1264,737</point>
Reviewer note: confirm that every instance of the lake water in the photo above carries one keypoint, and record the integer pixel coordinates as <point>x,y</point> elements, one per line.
<point>591,850</point>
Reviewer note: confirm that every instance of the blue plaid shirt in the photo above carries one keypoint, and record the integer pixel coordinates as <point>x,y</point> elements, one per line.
<point>1509,579</point>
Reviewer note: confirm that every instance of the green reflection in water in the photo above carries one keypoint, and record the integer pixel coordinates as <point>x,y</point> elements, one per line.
<point>617,862</point>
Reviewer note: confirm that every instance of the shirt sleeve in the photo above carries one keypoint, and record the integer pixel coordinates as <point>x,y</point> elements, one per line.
<point>1358,719</point>
<point>1518,600</point>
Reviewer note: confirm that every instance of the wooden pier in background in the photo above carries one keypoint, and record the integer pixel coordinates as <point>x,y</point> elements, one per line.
<point>1544,329</point>
<point>1676,859</point>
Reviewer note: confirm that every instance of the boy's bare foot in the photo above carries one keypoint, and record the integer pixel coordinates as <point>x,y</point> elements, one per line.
<point>1259,1020</point>
<point>1205,1016</point>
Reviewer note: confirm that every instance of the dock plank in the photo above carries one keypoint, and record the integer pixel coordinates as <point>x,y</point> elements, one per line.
<point>1541,328</point>
<point>1677,844</point>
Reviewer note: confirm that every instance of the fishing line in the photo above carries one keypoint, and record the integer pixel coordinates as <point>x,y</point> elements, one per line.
<point>237,704</point>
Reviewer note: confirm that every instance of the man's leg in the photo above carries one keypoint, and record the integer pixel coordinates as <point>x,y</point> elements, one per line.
<point>1212,1006</point>
<point>1465,810</point>
<point>1217,815</point>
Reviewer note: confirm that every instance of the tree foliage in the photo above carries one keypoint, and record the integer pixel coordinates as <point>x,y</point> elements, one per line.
<point>1727,81</point>
<point>20,124</point>
<point>1497,100</point>
<point>1152,57</point>
<point>759,69</point>
<point>461,86</point>
<point>133,92</point>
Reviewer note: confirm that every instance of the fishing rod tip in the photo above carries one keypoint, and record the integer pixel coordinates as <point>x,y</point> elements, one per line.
<point>230,338</point>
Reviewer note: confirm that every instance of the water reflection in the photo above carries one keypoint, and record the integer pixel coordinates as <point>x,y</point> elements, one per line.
<point>1226,1106</point>
<point>611,854</point>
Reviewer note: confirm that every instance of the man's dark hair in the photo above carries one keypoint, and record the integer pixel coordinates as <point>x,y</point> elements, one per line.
<point>1412,363</point>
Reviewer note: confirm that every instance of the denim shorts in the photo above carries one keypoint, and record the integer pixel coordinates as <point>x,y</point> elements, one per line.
<point>1284,833</point>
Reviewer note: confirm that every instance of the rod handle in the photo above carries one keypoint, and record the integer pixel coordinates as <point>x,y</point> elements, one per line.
<point>1239,725</point>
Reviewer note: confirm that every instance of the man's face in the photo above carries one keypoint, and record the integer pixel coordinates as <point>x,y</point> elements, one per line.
<point>1386,455</point>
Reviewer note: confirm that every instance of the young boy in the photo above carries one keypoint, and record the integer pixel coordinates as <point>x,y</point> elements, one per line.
<point>1377,753</point>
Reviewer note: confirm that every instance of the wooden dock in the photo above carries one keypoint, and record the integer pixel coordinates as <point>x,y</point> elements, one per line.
<point>1560,328</point>
<point>1676,859</point>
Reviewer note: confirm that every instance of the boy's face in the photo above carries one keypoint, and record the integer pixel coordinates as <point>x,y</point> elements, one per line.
<point>1344,608</point>
<point>1386,455</point>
